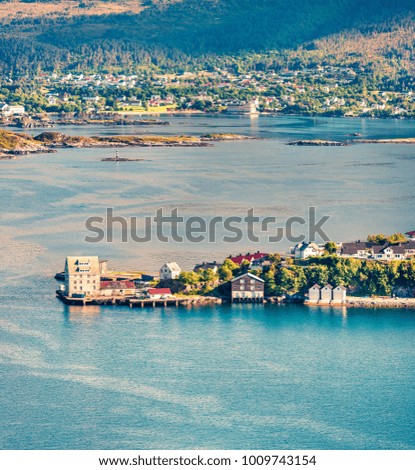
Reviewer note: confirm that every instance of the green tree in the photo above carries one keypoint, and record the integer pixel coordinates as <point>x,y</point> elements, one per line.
<point>379,239</point>
<point>189,278</point>
<point>331,248</point>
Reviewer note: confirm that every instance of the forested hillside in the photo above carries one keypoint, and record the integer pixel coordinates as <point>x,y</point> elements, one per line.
<point>104,34</point>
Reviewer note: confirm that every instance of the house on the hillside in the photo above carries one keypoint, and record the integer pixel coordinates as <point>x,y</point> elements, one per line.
<point>304,250</point>
<point>247,288</point>
<point>249,257</point>
<point>361,250</point>
<point>214,266</point>
<point>409,248</point>
<point>169,271</point>
<point>388,252</point>
<point>411,235</point>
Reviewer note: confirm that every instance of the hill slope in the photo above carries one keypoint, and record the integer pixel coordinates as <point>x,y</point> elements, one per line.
<point>123,31</point>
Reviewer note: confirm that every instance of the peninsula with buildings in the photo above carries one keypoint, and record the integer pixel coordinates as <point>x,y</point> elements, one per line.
<point>378,272</point>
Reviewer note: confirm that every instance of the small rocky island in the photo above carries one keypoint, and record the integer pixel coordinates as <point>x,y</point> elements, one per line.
<point>12,144</point>
<point>318,143</point>
<point>335,143</point>
<point>117,158</point>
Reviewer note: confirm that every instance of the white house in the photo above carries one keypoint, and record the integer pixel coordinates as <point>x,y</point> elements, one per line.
<point>159,293</point>
<point>409,248</point>
<point>388,253</point>
<point>82,275</point>
<point>11,110</point>
<point>356,250</point>
<point>305,250</point>
<point>169,271</point>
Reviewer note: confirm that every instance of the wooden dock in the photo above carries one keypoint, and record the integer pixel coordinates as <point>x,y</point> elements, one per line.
<point>131,302</point>
<point>173,302</point>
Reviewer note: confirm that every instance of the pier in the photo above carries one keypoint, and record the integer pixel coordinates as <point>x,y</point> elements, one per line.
<point>134,302</point>
<point>141,303</point>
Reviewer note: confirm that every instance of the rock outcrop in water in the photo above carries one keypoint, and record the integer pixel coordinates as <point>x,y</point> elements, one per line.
<point>318,143</point>
<point>12,144</point>
<point>22,144</point>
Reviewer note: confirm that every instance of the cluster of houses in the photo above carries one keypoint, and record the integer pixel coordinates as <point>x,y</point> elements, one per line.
<point>386,252</point>
<point>361,250</point>
<point>85,276</point>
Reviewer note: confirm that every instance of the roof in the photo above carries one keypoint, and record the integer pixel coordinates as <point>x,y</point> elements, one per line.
<point>397,249</point>
<point>411,234</point>
<point>207,265</point>
<point>303,246</point>
<point>248,257</point>
<point>252,276</point>
<point>316,286</point>
<point>410,245</point>
<point>117,285</point>
<point>340,287</point>
<point>173,266</point>
<point>379,248</point>
<point>327,286</point>
<point>89,264</point>
<point>159,290</point>
<point>354,247</point>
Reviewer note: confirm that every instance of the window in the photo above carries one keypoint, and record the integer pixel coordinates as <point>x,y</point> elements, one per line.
<point>242,288</point>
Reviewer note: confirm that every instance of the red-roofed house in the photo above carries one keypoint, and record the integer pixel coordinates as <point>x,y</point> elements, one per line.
<point>117,288</point>
<point>411,235</point>
<point>250,257</point>
<point>159,293</point>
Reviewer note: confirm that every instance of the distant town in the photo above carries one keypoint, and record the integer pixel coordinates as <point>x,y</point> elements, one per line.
<point>326,90</point>
<point>376,272</point>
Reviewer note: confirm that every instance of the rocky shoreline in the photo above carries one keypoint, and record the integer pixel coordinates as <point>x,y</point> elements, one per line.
<point>110,122</point>
<point>12,144</point>
<point>380,302</point>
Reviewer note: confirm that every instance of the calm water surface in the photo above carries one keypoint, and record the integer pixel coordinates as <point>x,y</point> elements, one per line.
<point>230,377</point>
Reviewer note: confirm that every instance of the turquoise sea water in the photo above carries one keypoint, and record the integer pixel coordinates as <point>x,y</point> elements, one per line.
<point>215,377</point>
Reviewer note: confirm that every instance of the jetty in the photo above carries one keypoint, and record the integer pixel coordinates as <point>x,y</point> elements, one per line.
<point>134,302</point>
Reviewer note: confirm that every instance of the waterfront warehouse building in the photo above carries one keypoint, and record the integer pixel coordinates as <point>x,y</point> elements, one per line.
<point>247,288</point>
<point>82,276</point>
